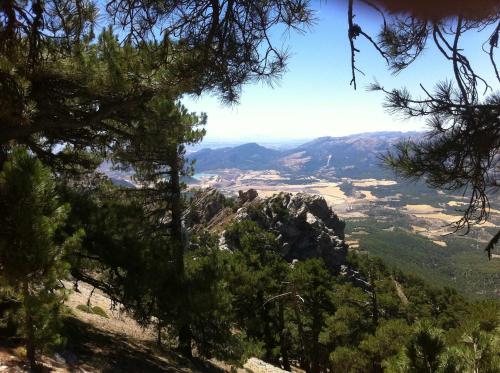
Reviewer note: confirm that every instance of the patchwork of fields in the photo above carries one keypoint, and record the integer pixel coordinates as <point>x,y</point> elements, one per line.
<point>408,225</point>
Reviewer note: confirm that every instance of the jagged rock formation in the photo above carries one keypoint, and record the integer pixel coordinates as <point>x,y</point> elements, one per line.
<point>305,226</point>
<point>247,196</point>
<point>209,209</point>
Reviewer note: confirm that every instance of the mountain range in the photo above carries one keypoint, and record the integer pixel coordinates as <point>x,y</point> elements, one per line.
<point>354,156</point>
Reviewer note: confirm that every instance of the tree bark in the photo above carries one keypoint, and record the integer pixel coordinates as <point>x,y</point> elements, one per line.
<point>316,329</point>
<point>185,334</point>
<point>30,329</point>
<point>283,338</point>
<point>304,362</point>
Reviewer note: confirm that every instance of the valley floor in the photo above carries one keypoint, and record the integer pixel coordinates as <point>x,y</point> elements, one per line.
<point>416,220</point>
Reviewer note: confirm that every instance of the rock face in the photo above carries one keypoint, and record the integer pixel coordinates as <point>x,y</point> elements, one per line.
<point>209,210</point>
<point>247,196</point>
<point>304,225</point>
<point>255,365</point>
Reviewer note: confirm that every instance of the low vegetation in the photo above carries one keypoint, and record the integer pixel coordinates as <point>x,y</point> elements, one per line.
<point>95,310</point>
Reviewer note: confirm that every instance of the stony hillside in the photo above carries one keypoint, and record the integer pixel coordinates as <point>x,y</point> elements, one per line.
<point>108,340</point>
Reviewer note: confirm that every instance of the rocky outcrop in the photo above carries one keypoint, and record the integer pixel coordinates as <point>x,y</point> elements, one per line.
<point>205,208</point>
<point>254,365</point>
<point>247,196</point>
<point>304,224</point>
<point>209,210</point>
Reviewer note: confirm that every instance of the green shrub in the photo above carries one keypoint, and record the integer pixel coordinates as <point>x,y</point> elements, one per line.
<point>95,310</point>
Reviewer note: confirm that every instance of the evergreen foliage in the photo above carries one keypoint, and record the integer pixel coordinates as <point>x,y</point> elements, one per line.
<point>374,320</point>
<point>31,257</point>
<point>65,85</point>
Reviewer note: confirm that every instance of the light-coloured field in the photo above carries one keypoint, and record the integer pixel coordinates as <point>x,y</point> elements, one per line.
<point>440,216</point>
<point>368,195</point>
<point>459,204</point>
<point>263,193</point>
<point>430,212</point>
<point>435,234</point>
<point>422,209</point>
<point>353,244</point>
<point>372,182</point>
<point>440,243</point>
<point>329,190</point>
<point>435,213</point>
<point>494,211</point>
<point>269,175</point>
<point>417,229</point>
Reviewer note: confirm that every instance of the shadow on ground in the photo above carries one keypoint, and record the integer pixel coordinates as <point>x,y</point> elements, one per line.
<point>96,350</point>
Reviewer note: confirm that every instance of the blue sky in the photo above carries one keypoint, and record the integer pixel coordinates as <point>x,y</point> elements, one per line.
<point>314,97</point>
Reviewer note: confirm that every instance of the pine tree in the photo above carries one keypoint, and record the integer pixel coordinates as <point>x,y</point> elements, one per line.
<point>155,149</point>
<point>313,283</point>
<point>30,257</point>
<point>61,84</point>
<point>257,280</point>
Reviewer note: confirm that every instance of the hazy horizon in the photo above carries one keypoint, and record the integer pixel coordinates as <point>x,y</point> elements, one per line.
<point>273,143</point>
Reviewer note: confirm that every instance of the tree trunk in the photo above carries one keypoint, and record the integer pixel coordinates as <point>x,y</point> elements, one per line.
<point>304,361</point>
<point>3,155</point>
<point>316,329</point>
<point>374,302</point>
<point>267,334</point>
<point>159,329</point>
<point>283,338</point>
<point>176,223</point>
<point>30,330</point>
<point>185,340</point>
<point>185,335</point>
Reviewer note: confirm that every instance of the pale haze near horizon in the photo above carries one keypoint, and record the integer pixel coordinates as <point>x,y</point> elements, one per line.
<point>313,98</point>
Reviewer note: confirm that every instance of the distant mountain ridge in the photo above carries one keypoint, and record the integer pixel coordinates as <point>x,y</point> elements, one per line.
<point>251,156</point>
<point>355,156</point>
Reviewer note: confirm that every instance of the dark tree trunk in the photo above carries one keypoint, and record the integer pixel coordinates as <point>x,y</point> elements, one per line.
<point>185,340</point>
<point>185,335</point>
<point>3,155</point>
<point>316,329</point>
<point>284,342</point>
<point>176,224</point>
<point>159,330</point>
<point>267,334</point>
<point>304,363</point>
<point>374,302</point>
<point>30,331</point>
